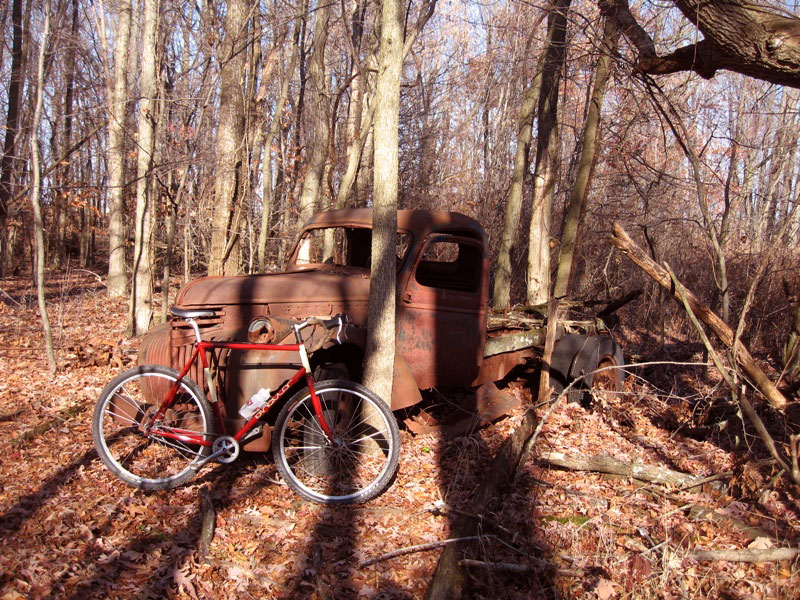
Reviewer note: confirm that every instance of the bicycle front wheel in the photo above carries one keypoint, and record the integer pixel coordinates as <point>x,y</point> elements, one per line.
<point>361,460</point>
<point>169,454</point>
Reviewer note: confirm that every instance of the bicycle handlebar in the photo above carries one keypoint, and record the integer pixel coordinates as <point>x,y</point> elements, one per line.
<point>336,322</point>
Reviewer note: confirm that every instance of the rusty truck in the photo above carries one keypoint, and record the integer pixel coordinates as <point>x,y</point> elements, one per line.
<point>446,335</point>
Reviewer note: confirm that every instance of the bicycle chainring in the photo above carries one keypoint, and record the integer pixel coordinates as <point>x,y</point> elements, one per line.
<point>227,447</point>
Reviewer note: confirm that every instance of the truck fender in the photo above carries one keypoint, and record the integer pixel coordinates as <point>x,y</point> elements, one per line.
<point>405,392</point>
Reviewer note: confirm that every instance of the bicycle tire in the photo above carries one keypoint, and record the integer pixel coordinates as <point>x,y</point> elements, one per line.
<point>360,467</point>
<point>121,414</point>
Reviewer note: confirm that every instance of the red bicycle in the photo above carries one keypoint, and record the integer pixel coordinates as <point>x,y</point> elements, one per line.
<point>334,441</point>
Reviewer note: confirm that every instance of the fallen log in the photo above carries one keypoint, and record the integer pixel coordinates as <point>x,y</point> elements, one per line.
<point>623,242</point>
<point>208,520</point>
<point>612,466</point>
<point>747,555</point>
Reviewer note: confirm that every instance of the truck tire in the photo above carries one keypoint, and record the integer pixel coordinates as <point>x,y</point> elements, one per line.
<point>576,356</point>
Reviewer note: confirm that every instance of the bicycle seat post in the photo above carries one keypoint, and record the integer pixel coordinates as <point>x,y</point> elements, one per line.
<point>193,323</point>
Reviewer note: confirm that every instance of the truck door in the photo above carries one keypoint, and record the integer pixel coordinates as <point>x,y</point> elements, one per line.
<point>442,311</point>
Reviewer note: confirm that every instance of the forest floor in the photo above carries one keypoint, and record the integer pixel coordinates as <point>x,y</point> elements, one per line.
<point>69,529</point>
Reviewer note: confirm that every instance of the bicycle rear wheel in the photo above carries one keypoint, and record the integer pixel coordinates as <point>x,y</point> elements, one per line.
<point>361,461</point>
<point>168,456</point>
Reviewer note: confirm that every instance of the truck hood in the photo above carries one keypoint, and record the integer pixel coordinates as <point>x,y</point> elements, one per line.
<point>334,285</point>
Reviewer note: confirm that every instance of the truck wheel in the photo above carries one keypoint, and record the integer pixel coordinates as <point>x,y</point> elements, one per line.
<point>610,355</point>
<point>576,356</point>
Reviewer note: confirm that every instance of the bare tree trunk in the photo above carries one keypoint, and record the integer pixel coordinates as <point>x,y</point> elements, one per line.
<point>357,122</point>
<point>791,349</point>
<point>64,174</point>
<point>547,154</point>
<point>320,109</point>
<point>141,304</point>
<point>36,193</point>
<point>502,278</point>
<point>566,257</point>
<point>7,166</point>
<point>117,275</point>
<point>268,193</point>
<point>379,360</point>
<point>172,217</point>
<point>228,188</point>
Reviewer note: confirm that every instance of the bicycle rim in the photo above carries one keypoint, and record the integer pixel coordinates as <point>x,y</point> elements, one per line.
<point>362,460</point>
<point>166,456</point>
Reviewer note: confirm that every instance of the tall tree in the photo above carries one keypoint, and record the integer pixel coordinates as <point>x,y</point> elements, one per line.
<point>268,190</point>
<point>7,164</point>
<point>228,186</point>
<point>379,361</point>
<point>320,111</point>
<point>36,194</point>
<point>547,154</point>
<point>590,141</point>
<point>141,305</point>
<point>502,279</point>
<point>118,92</point>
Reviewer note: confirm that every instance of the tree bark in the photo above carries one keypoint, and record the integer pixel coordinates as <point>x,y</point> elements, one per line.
<point>7,166</point>
<point>740,36</point>
<point>622,240</point>
<point>228,187</point>
<point>791,349</point>
<point>547,154</point>
<point>612,466</point>
<point>320,109</point>
<point>61,204</point>
<point>141,303</point>
<point>117,274</point>
<point>583,177</point>
<point>379,356</point>
<point>268,191</point>
<point>747,555</point>
<point>36,193</point>
<point>502,279</point>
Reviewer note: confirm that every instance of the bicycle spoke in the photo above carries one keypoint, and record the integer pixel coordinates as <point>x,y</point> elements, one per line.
<point>125,411</point>
<point>356,464</point>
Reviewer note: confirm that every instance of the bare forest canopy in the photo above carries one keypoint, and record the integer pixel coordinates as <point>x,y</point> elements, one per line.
<point>178,138</point>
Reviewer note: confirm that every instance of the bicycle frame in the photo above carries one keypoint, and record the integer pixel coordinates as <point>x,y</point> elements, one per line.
<point>201,349</point>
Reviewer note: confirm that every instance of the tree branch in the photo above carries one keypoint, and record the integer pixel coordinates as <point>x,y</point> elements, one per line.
<point>623,241</point>
<point>740,36</point>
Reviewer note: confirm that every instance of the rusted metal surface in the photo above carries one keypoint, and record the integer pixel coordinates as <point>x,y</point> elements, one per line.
<point>440,330</point>
<point>441,333</point>
<point>490,404</point>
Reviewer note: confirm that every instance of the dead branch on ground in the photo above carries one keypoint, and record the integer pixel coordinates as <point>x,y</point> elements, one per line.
<point>748,554</point>
<point>612,466</point>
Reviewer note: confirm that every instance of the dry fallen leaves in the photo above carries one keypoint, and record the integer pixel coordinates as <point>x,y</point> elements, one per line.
<point>69,529</point>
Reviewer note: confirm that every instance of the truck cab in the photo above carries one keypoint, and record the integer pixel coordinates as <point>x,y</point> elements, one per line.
<point>442,298</point>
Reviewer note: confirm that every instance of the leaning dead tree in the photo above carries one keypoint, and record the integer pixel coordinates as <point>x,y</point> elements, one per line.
<point>697,312</point>
<point>744,359</point>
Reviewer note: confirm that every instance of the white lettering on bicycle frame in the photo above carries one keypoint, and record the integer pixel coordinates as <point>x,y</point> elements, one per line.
<point>275,397</point>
